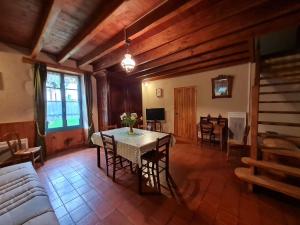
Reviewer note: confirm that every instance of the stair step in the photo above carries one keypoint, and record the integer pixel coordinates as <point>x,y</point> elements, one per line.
<point>281,84</point>
<point>278,92</point>
<point>279,123</point>
<point>283,152</point>
<point>290,190</point>
<point>281,62</point>
<point>296,101</point>
<point>279,76</point>
<point>291,68</point>
<point>279,112</point>
<point>293,171</point>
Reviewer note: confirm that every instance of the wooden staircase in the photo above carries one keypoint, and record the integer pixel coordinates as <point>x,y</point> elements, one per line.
<point>275,107</point>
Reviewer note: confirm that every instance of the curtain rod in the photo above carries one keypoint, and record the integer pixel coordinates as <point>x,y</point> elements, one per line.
<point>56,66</point>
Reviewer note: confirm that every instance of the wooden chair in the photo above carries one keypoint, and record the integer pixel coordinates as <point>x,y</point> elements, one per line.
<point>233,144</point>
<point>142,126</point>
<point>111,156</point>
<point>206,129</point>
<point>150,162</point>
<point>19,153</point>
<point>110,127</point>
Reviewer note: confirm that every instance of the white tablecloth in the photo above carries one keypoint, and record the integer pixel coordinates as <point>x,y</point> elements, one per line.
<point>131,147</point>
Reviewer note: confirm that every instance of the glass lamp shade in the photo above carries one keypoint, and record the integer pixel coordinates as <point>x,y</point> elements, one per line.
<point>128,63</point>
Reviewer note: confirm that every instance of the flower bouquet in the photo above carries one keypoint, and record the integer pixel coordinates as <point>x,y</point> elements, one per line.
<point>129,119</point>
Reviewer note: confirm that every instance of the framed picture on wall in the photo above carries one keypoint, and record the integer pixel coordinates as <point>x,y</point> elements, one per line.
<point>159,92</point>
<point>222,86</point>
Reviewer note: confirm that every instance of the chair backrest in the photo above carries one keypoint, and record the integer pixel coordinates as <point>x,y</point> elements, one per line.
<point>206,127</point>
<point>246,133</point>
<point>163,144</point>
<point>110,127</point>
<point>109,143</point>
<point>13,141</point>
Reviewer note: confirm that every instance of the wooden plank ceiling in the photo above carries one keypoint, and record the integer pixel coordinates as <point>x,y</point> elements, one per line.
<point>169,38</point>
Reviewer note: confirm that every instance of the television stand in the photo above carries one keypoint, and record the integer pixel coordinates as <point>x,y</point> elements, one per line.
<point>155,125</point>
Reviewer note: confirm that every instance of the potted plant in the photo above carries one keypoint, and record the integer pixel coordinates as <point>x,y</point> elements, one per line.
<point>129,119</point>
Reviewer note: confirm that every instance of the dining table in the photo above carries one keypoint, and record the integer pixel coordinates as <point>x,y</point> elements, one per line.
<point>130,146</point>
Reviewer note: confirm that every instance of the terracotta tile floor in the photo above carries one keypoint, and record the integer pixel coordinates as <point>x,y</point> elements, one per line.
<point>208,193</point>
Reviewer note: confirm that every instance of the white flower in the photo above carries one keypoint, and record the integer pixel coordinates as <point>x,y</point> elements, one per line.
<point>123,116</point>
<point>133,115</point>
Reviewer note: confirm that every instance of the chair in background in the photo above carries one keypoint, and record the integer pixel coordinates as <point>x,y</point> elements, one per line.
<point>238,131</point>
<point>111,156</point>
<point>206,129</point>
<point>142,126</point>
<point>110,127</point>
<point>22,154</point>
<point>219,131</point>
<point>151,165</point>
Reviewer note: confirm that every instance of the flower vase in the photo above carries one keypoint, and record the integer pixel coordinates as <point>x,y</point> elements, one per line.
<point>130,130</point>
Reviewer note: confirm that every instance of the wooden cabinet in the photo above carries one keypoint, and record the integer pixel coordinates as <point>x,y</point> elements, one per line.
<point>115,96</point>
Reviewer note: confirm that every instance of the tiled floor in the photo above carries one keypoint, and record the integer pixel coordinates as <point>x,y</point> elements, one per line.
<point>208,193</point>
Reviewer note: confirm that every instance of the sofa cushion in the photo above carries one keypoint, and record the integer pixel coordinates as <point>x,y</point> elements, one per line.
<point>23,200</point>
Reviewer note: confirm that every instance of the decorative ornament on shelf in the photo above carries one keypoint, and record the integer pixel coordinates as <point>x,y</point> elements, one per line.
<point>128,62</point>
<point>130,119</point>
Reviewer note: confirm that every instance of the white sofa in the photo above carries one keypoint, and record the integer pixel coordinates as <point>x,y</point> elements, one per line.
<point>23,200</point>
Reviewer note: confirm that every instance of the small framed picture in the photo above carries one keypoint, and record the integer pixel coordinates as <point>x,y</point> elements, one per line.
<point>222,86</point>
<point>159,92</point>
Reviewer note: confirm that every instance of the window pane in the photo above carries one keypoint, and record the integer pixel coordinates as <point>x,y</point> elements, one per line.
<point>72,100</point>
<point>73,113</point>
<point>54,114</point>
<point>54,101</point>
<point>53,80</point>
<point>53,94</point>
<point>71,95</point>
<point>71,82</point>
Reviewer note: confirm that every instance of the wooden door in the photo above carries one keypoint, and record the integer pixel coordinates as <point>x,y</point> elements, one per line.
<point>185,113</point>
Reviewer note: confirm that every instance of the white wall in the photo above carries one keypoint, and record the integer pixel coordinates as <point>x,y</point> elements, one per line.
<point>16,92</point>
<point>205,104</point>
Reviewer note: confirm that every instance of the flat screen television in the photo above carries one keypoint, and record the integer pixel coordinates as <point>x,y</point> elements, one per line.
<point>155,114</point>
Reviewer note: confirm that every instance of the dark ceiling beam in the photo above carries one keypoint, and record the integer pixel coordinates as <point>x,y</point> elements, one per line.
<point>198,70</point>
<point>227,51</point>
<point>183,54</point>
<point>49,17</point>
<point>244,21</point>
<point>190,65</point>
<point>158,15</point>
<point>217,64</point>
<point>90,30</point>
<point>200,19</point>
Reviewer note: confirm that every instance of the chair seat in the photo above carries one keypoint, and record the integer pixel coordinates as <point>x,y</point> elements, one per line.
<point>153,156</point>
<point>28,151</point>
<point>234,142</point>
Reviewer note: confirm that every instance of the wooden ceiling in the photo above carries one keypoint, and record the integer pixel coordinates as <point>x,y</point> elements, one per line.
<point>169,38</point>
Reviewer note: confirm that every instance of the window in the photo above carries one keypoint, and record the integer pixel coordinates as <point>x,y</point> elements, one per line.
<point>63,101</point>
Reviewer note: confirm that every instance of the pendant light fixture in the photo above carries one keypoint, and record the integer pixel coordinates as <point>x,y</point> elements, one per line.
<point>128,62</point>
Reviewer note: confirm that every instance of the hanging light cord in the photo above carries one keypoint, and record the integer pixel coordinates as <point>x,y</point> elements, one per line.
<point>127,40</point>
